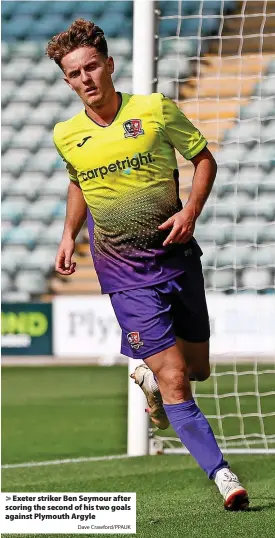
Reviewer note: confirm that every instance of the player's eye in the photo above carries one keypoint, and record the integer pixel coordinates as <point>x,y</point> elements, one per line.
<point>91,67</point>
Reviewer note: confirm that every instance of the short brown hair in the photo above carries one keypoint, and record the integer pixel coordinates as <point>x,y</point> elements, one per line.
<point>81,33</point>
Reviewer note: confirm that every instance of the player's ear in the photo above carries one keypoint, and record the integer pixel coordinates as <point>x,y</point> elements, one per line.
<point>110,64</point>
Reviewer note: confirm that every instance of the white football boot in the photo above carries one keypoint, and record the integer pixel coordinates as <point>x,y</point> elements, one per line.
<point>144,377</point>
<point>234,494</point>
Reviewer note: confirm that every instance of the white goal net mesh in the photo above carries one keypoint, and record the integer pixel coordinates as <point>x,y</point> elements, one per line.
<point>216,59</point>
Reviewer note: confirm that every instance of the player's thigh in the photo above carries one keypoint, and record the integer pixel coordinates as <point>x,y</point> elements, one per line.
<point>189,307</point>
<point>146,322</point>
<point>196,355</point>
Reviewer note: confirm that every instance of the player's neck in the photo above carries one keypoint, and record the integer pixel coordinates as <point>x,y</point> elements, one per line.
<point>105,114</point>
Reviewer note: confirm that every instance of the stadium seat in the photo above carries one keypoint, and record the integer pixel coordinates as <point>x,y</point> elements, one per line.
<point>31,92</point>
<point>32,9</point>
<point>56,185</point>
<point>51,235</point>
<point>230,155</point>
<point>8,9</point>
<point>231,205</point>
<point>267,234</point>
<point>91,9</point>
<point>173,67</point>
<point>265,88</point>
<point>65,113</point>
<point>245,132</point>
<point>32,50</point>
<point>120,46</point>
<point>124,84</point>
<point>31,282</point>
<point>13,209</point>
<point>47,26</point>
<point>168,87</point>
<point>6,182</point>
<point>17,69</point>
<point>16,297</point>
<point>265,255</point>
<point>43,161</point>
<point>7,91</point>
<point>175,45</point>
<point>15,114</point>
<point>60,210</point>
<point>223,182</point>
<point>41,258</point>
<point>27,185</point>
<point>248,179</point>
<point>28,138</point>
<point>59,92</point>
<point>6,226</point>
<point>123,7</point>
<point>14,160</point>
<point>258,109</point>
<point>235,256</point>
<point>209,255</point>
<point>248,230</point>
<point>256,279</point>
<point>263,206</point>
<point>25,234</point>
<point>268,133</point>
<point>61,8</point>
<point>262,156</point>
<point>17,28</point>
<point>213,231</point>
<point>267,185</point>
<point>6,282</point>
<point>112,25</point>
<point>46,114</point>
<point>222,279</point>
<point>12,257</point>
<point>42,210</point>
<point>271,67</point>
<point>44,70</point>
<point>6,137</point>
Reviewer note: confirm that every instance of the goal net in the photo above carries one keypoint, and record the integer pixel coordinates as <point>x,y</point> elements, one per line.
<point>216,60</point>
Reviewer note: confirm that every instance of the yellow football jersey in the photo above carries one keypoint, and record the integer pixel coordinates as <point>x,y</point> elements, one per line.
<point>129,178</point>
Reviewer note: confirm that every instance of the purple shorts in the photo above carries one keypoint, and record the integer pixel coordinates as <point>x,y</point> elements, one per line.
<point>151,318</point>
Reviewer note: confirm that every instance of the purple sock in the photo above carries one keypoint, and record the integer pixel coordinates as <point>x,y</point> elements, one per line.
<point>196,434</point>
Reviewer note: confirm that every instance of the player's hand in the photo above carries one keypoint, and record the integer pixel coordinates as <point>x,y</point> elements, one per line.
<point>63,260</point>
<point>182,224</point>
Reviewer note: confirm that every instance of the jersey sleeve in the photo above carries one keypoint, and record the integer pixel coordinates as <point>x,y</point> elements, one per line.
<point>70,169</point>
<point>182,134</point>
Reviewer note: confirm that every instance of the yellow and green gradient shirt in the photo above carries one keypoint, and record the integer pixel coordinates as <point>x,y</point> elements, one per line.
<point>129,178</point>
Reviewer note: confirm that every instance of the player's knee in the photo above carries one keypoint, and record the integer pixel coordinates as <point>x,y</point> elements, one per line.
<point>173,382</point>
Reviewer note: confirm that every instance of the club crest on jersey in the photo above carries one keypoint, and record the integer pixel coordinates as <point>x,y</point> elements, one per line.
<point>133,128</point>
<point>134,340</point>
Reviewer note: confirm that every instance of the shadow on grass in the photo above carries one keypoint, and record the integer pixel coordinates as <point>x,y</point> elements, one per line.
<point>263,507</point>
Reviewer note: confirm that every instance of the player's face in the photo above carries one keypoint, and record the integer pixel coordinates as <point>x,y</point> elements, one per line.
<point>88,73</point>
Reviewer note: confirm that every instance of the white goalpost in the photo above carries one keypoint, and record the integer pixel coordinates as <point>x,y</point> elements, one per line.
<point>216,60</point>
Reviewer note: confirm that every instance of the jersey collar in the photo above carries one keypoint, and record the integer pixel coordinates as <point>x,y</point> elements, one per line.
<point>115,117</point>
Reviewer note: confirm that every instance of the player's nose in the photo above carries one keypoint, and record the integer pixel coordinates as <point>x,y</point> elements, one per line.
<point>85,77</point>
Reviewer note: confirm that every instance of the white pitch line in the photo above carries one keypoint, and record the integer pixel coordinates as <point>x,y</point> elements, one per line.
<point>61,462</point>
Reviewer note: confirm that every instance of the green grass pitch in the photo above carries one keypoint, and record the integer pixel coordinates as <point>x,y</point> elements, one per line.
<point>51,413</point>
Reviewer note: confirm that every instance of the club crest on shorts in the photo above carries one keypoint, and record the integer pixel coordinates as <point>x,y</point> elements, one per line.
<point>133,128</point>
<point>134,340</point>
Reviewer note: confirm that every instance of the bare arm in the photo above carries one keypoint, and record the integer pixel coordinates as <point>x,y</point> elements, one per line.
<point>183,222</point>
<point>75,217</point>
